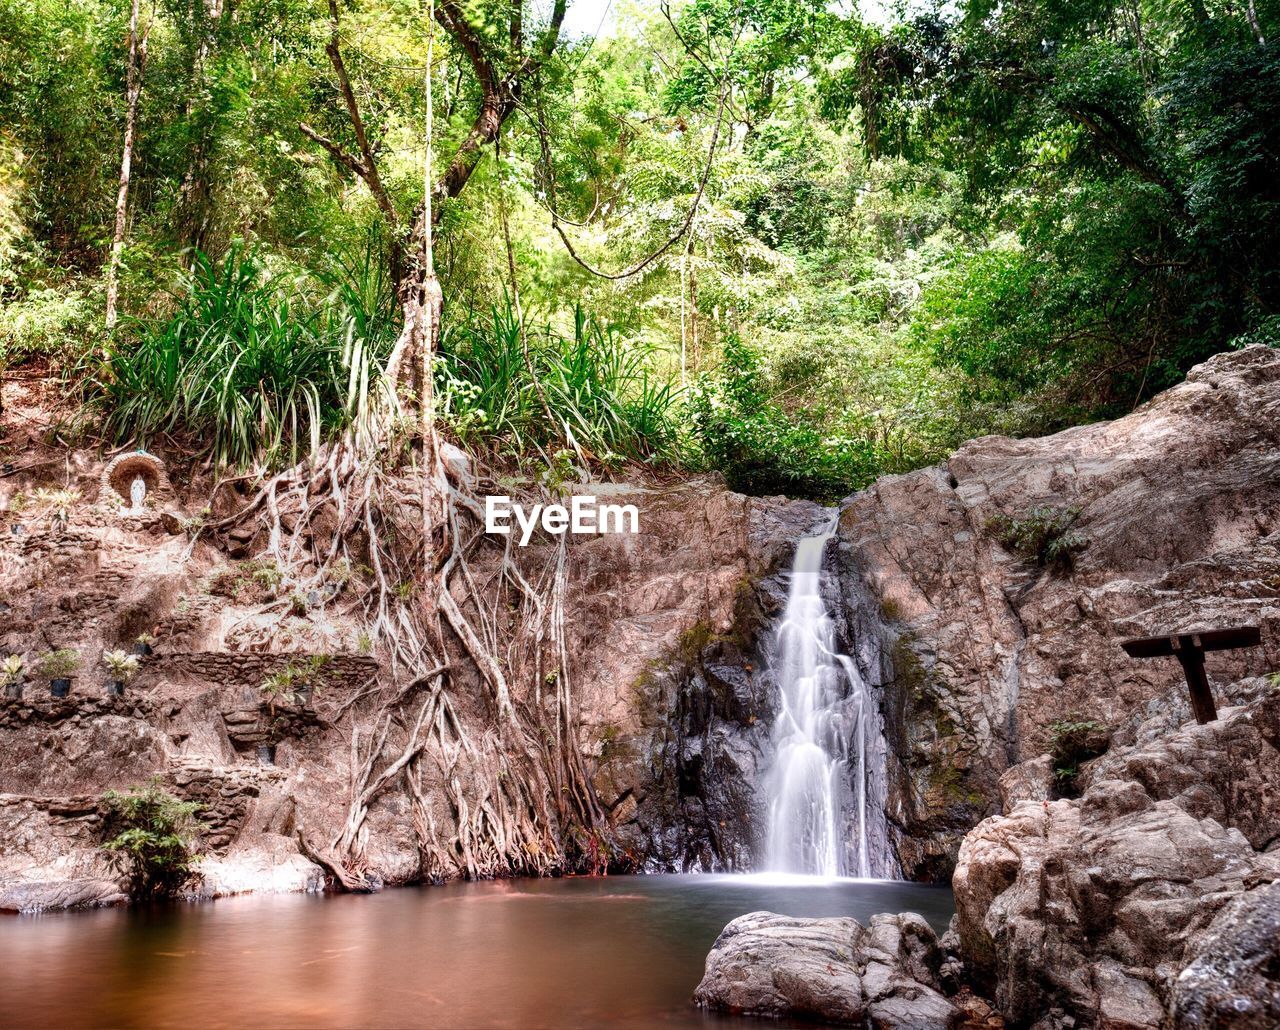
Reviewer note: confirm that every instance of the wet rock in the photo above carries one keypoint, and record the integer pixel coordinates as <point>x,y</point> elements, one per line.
<point>33,896</point>
<point>833,970</point>
<point>674,701</point>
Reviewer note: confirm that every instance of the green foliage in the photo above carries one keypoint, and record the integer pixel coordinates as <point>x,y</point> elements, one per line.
<point>1043,536</point>
<point>121,665</point>
<point>59,664</point>
<point>763,450</point>
<point>151,837</point>
<point>41,320</point>
<point>1123,168</point>
<point>973,218</point>
<point>292,684</point>
<point>591,388</point>
<point>1071,743</point>
<point>248,582</point>
<point>247,367</point>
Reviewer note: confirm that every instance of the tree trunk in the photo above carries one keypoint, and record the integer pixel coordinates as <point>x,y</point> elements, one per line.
<point>133,90</point>
<point>195,194</point>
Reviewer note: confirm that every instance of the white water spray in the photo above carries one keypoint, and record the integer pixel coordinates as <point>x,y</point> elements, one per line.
<point>826,785</point>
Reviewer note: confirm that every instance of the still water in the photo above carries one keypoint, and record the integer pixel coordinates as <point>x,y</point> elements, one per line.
<point>615,952</point>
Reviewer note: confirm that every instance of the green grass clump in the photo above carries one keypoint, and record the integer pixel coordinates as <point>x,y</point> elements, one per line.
<point>522,389</point>
<point>252,367</point>
<point>1043,536</point>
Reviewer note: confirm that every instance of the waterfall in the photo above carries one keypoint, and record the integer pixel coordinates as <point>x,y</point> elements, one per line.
<point>826,785</point>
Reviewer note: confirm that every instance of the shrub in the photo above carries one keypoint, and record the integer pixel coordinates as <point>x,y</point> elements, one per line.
<point>249,365</point>
<point>294,682</point>
<point>1071,743</point>
<point>760,448</point>
<point>151,837</point>
<point>40,320</point>
<point>59,664</point>
<point>248,582</point>
<point>1043,536</point>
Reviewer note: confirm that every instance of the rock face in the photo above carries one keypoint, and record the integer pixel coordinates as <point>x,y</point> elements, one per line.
<point>51,859</point>
<point>675,706</point>
<point>658,628</point>
<point>885,975</point>
<point>1156,891</point>
<point>1234,981</point>
<point>979,650</point>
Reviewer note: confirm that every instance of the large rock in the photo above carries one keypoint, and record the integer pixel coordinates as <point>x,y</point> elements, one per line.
<point>832,970</point>
<point>1234,979</point>
<point>1091,910</point>
<point>32,896</point>
<point>979,650</point>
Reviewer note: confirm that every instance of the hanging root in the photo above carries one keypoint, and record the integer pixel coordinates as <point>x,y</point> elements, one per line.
<point>514,779</point>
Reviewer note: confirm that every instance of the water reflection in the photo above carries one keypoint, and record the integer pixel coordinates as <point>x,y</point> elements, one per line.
<point>624,951</point>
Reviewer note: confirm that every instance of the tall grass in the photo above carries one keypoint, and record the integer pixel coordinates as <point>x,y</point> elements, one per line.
<point>252,367</point>
<point>545,390</point>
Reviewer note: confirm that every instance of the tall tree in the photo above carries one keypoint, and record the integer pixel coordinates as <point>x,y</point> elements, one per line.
<point>503,73</point>
<point>134,69</point>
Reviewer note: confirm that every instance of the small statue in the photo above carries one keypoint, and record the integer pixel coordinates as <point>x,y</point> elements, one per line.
<point>137,478</point>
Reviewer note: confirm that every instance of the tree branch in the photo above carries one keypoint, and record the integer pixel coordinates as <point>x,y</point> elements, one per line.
<point>370,174</point>
<point>336,150</point>
<point>365,167</point>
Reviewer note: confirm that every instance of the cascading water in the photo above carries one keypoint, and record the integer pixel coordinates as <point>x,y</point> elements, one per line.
<point>826,786</point>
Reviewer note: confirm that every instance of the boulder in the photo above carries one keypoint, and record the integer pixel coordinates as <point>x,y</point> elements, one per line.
<point>1027,781</point>
<point>832,970</point>
<point>1234,979</point>
<point>1144,893</point>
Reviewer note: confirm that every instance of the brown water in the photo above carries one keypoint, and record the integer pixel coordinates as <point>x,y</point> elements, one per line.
<point>616,952</point>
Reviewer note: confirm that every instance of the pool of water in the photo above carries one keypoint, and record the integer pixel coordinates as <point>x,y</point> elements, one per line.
<point>621,951</point>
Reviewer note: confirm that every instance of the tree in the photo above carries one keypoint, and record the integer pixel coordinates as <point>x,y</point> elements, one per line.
<point>137,61</point>
<point>503,74</point>
<point>1132,152</point>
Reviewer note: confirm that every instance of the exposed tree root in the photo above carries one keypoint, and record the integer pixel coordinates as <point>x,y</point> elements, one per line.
<point>519,794</point>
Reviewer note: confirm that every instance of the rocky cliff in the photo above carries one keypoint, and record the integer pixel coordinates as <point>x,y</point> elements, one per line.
<point>1169,518</point>
<point>1154,897</point>
<point>1115,863</point>
<point>980,647</point>
<point>657,630</point>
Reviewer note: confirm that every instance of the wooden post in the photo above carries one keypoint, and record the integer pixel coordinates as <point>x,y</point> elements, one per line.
<point>1189,649</point>
<point>1191,658</point>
